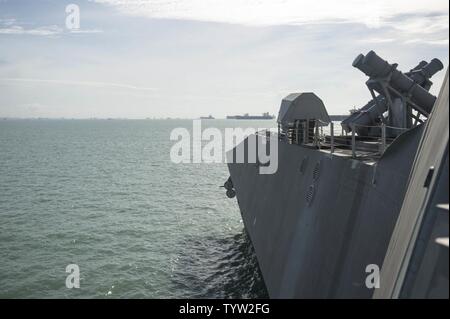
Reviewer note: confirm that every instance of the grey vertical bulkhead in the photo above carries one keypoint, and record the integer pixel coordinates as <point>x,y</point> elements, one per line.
<point>321,219</point>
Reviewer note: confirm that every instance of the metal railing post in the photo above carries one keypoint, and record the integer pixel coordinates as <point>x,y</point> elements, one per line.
<point>306,135</point>
<point>332,137</point>
<point>317,138</point>
<point>353,141</point>
<point>383,137</point>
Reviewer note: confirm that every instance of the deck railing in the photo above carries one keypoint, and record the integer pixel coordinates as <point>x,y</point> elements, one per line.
<point>336,139</point>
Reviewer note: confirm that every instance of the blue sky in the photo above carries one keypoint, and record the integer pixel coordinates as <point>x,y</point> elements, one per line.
<point>160,58</point>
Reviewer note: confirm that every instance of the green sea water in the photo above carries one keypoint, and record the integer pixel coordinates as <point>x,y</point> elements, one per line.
<point>103,194</point>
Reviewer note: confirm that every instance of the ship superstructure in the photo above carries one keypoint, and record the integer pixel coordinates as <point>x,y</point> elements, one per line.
<point>337,205</point>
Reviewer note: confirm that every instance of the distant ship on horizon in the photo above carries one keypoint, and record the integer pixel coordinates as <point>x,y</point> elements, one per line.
<point>246,116</point>
<point>210,117</point>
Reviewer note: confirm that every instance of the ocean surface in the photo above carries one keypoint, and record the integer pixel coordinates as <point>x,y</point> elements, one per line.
<point>103,194</point>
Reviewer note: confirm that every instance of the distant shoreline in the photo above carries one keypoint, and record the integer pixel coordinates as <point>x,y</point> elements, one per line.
<point>332,117</point>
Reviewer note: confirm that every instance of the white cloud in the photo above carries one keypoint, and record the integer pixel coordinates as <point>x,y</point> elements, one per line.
<point>414,29</point>
<point>86,31</point>
<point>378,40</point>
<point>7,22</point>
<point>422,24</point>
<point>280,12</point>
<point>443,42</point>
<point>45,31</point>
<point>11,27</point>
<point>79,83</point>
<point>402,21</point>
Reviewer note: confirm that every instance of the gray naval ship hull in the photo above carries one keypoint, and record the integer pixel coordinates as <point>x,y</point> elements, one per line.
<point>323,217</point>
<point>319,247</point>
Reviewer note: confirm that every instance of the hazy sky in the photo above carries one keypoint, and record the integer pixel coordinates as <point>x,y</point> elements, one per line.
<point>187,58</point>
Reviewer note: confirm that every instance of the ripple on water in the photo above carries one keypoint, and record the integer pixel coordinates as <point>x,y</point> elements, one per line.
<point>219,268</point>
<point>105,196</point>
